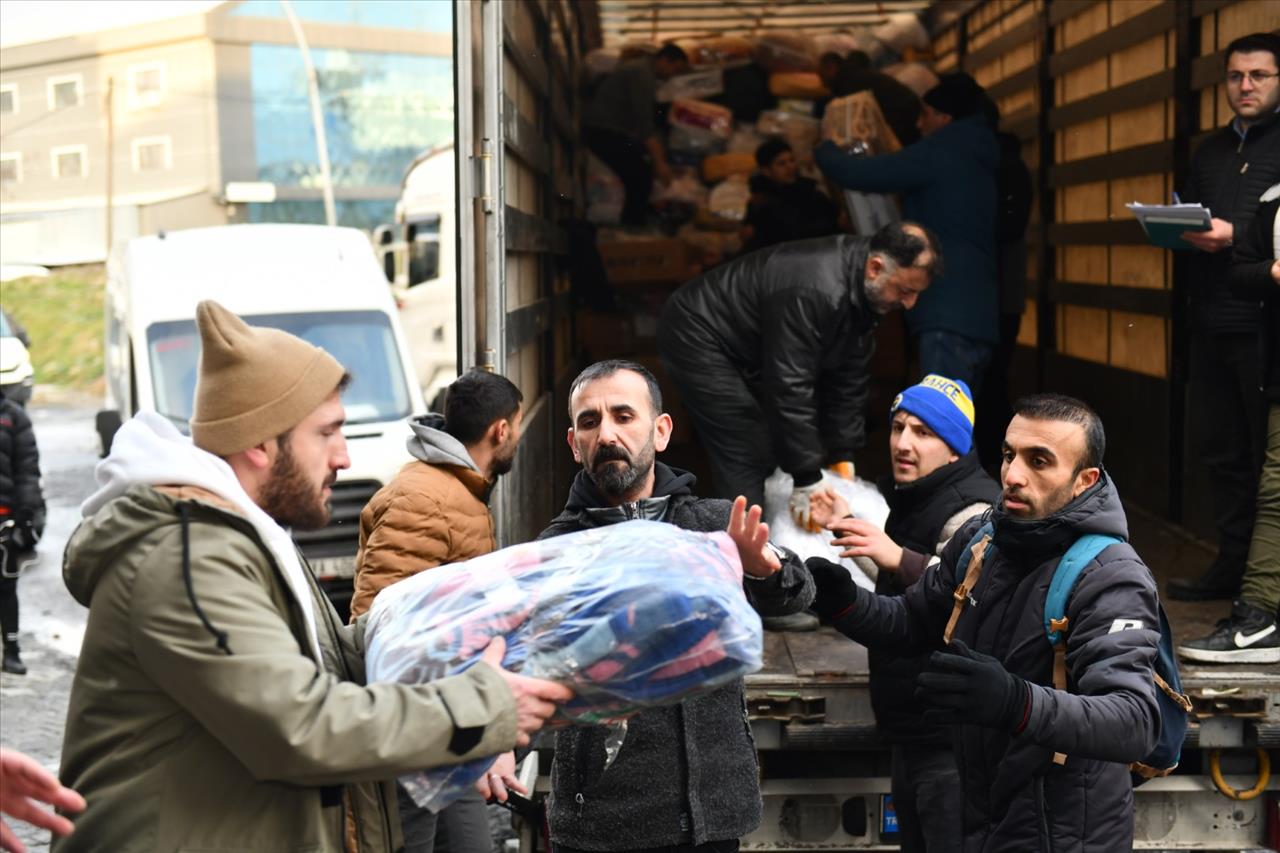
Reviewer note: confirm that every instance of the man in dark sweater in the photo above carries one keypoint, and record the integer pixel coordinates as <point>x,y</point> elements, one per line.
<point>937,485</point>
<point>1250,634</point>
<point>785,206</point>
<point>684,777</point>
<point>1229,173</point>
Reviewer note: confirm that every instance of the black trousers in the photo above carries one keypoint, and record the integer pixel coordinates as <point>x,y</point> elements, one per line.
<point>927,798</point>
<point>726,414</point>
<point>629,159</point>
<point>1229,429</point>
<point>9,601</point>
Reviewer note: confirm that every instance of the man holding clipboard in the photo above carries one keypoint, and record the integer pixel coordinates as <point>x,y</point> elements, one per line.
<point>1229,172</point>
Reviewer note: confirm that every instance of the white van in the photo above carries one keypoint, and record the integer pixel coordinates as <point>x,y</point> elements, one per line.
<point>323,285</point>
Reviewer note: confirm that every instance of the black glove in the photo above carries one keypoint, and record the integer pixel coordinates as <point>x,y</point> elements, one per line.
<point>836,590</point>
<point>961,686</point>
<point>25,536</point>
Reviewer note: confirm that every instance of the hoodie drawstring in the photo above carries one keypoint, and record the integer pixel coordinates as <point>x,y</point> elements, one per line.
<point>220,636</point>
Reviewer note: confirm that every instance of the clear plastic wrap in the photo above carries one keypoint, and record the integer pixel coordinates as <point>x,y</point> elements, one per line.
<point>729,199</point>
<point>800,132</point>
<point>864,499</point>
<point>630,616</point>
<point>699,84</point>
<point>606,194</point>
<point>786,50</point>
<point>703,116</point>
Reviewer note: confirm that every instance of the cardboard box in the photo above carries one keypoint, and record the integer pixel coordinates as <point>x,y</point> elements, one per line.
<point>646,261</point>
<point>604,335</point>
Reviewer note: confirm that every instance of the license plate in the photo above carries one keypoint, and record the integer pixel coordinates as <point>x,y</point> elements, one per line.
<point>888,816</point>
<point>333,567</point>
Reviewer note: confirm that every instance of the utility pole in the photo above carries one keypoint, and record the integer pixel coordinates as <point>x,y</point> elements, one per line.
<point>317,114</point>
<point>111,154</point>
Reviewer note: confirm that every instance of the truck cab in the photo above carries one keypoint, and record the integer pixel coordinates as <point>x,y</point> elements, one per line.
<point>322,284</point>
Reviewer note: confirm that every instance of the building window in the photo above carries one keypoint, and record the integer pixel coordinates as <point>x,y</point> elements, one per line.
<point>11,168</point>
<point>152,154</point>
<point>66,91</point>
<point>146,84</point>
<point>8,99</point>
<point>69,161</point>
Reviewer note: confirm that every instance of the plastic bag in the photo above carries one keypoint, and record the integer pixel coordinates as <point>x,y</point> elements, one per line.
<point>729,199</point>
<point>901,31</point>
<point>856,124</point>
<point>864,499</point>
<point>786,50</point>
<point>631,615</point>
<point>719,51</point>
<point>702,115</point>
<point>699,84</point>
<point>800,132</point>
<point>684,188</point>
<point>606,194</point>
<point>804,85</point>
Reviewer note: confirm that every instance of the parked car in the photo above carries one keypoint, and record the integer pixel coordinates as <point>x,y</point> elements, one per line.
<point>17,376</point>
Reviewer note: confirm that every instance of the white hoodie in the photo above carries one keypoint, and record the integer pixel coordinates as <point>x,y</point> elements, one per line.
<point>149,450</point>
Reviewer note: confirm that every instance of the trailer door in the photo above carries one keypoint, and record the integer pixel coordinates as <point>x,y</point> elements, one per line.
<point>515,103</point>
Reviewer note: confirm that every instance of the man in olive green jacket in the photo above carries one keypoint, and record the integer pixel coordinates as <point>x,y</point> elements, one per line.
<point>218,702</point>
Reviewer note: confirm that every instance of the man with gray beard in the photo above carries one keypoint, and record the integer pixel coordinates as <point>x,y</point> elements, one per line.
<point>685,776</point>
<point>772,353</point>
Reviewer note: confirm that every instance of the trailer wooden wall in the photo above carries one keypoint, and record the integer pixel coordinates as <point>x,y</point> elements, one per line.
<point>1109,98</point>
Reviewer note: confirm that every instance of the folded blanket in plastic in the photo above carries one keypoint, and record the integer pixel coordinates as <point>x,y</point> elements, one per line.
<point>630,616</point>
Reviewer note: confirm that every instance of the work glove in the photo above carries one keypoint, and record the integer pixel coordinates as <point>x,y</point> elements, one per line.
<point>801,512</point>
<point>836,591</point>
<point>843,470</point>
<point>961,686</point>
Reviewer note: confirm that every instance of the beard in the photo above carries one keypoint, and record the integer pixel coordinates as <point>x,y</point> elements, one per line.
<point>502,461</point>
<point>614,480</point>
<point>874,288</point>
<point>291,498</point>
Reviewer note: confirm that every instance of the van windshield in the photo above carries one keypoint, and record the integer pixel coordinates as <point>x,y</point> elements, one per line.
<point>360,340</point>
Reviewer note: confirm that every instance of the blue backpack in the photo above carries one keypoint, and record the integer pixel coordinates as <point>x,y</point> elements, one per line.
<point>1174,705</point>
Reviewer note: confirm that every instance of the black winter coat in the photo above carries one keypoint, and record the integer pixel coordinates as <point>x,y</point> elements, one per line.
<point>685,774</point>
<point>1251,279</point>
<point>917,513</point>
<point>795,321</point>
<point>1228,175</point>
<point>20,493</point>
<point>779,213</point>
<point>1016,800</point>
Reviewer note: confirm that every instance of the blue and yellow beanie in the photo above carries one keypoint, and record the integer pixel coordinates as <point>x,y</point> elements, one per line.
<point>945,405</point>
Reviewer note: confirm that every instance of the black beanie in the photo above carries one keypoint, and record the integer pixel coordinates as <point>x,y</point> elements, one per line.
<point>958,95</point>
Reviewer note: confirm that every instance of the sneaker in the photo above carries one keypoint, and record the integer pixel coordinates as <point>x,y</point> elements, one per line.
<point>1249,635</point>
<point>1221,581</point>
<point>12,662</point>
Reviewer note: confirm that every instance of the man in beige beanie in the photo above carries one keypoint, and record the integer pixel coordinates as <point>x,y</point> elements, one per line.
<point>218,702</point>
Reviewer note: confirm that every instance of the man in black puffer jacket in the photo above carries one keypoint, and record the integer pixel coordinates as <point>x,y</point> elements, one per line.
<point>993,682</point>
<point>21,517</point>
<point>685,776</point>
<point>937,485</point>
<point>1229,173</point>
<point>772,352</point>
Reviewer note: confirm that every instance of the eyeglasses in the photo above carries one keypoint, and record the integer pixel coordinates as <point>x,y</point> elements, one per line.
<point>1257,78</point>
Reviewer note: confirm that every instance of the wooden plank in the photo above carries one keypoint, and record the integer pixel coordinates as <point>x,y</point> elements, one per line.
<point>1139,342</point>
<point>1028,31</point>
<point>1083,202</point>
<point>1134,300</point>
<point>1140,160</point>
<point>1136,127</point>
<point>1139,60</point>
<point>1138,266</point>
<point>523,139</point>
<point>1085,333</point>
<point>529,233</point>
<point>1208,70</point>
<point>1157,87</point>
<point>1132,31</point>
<point>1025,79</point>
<point>1200,8</point>
<point>1122,232</point>
<point>1083,264</point>
<point>1061,10</point>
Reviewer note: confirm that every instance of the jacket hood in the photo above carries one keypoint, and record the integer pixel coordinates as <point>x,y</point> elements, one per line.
<point>149,451</point>
<point>972,135</point>
<point>667,482</point>
<point>1097,510</point>
<point>430,443</point>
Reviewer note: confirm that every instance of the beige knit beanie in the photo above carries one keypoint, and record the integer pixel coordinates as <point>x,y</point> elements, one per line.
<point>254,383</point>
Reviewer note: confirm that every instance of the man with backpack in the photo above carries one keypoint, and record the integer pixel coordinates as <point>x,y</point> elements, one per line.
<point>1045,734</point>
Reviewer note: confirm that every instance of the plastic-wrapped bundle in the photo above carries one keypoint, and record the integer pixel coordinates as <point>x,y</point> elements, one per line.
<point>865,501</point>
<point>804,85</point>
<point>702,115</point>
<point>699,84</point>
<point>729,199</point>
<point>901,31</point>
<point>856,124</point>
<point>630,616</point>
<point>719,51</point>
<point>720,166</point>
<point>800,131</point>
<point>606,194</point>
<point>684,188</point>
<point>787,50</point>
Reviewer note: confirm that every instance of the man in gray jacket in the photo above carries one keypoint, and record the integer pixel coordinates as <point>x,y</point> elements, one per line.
<point>1041,769</point>
<point>685,776</point>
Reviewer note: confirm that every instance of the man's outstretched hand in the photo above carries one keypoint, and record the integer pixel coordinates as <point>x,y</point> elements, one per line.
<point>536,698</point>
<point>24,784</point>
<point>751,535</point>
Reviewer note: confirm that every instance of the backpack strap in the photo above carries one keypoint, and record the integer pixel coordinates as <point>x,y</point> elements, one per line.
<point>1056,622</point>
<point>968,570</point>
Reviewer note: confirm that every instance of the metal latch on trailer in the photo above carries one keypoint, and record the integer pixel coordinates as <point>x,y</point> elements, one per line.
<point>786,706</point>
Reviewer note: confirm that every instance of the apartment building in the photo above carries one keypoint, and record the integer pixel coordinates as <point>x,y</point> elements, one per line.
<point>160,117</point>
